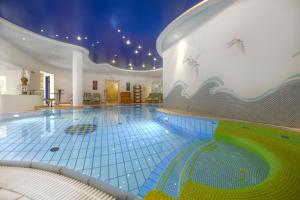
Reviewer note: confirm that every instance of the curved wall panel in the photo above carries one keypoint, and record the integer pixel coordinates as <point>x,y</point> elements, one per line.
<point>242,62</point>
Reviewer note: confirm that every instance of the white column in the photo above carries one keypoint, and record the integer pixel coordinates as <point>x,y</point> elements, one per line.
<point>77,78</point>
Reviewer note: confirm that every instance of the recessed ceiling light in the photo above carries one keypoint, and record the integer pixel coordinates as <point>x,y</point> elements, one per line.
<point>92,45</point>
<point>24,38</point>
<point>149,53</point>
<point>128,42</point>
<point>42,30</point>
<point>139,47</point>
<point>97,42</point>
<point>154,59</point>
<point>130,64</point>
<point>136,51</point>
<point>67,37</point>
<point>131,68</point>
<point>85,38</point>
<point>113,61</point>
<point>143,65</point>
<point>119,30</point>
<point>123,37</point>
<point>78,38</point>
<point>56,35</point>
<point>154,67</point>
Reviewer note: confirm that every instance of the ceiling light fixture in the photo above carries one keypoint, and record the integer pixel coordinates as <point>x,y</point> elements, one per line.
<point>130,64</point>
<point>139,47</point>
<point>113,61</point>
<point>56,35</point>
<point>143,65</point>
<point>67,37</point>
<point>78,38</point>
<point>42,30</point>
<point>149,53</point>
<point>85,38</point>
<point>23,38</point>
<point>119,30</point>
<point>154,67</point>
<point>92,45</point>
<point>128,42</point>
<point>154,59</point>
<point>136,51</point>
<point>131,68</point>
<point>123,37</point>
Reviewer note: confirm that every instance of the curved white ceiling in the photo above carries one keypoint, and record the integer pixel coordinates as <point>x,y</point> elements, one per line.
<point>55,53</point>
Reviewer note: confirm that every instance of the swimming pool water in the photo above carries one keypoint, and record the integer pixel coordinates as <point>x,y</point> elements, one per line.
<point>127,147</point>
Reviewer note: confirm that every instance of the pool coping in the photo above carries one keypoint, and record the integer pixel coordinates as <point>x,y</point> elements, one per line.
<point>90,181</point>
<point>199,115</point>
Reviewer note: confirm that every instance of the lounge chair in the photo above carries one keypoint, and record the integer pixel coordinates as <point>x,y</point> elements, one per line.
<point>96,98</point>
<point>87,98</point>
<point>154,98</point>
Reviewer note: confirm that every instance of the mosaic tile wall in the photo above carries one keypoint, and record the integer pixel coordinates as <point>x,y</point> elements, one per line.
<point>279,108</point>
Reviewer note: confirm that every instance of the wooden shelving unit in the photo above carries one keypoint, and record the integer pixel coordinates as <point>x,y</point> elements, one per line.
<point>137,94</point>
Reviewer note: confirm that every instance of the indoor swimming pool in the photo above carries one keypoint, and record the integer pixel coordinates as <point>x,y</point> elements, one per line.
<point>134,148</point>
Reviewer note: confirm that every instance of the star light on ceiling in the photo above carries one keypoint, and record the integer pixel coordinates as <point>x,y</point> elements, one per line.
<point>56,35</point>
<point>128,42</point>
<point>85,38</point>
<point>154,59</point>
<point>119,30</point>
<point>143,66</point>
<point>154,67</point>
<point>42,30</point>
<point>67,37</point>
<point>136,51</point>
<point>78,38</point>
<point>123,37</point>
<point>149,53</point>
<point>130,64</point>
<point>113,61</point>
<point>97,42</point>
<point>139,47</point>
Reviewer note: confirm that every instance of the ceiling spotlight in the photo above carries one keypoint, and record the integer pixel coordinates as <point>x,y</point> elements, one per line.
<point>119,30</point>
<point>130,64</point>
<point>92,45</point>
<point>67,37</point>
<point>131,68</point>
<point>85,38</point>
<point>139,47</point>
<point>143,65</point>
<point>56,35</point>
<point>23,38</point>
<point>136,51</point>
<point>78,38</point>
<point>42,30</point>
<point>149,53</point>
<point>128,42</point>
<point>154,67</point>
<point>97,42</point>
<point>113,61</point>
<point>115,55</point>
<point>154,59</point>
<point>123,37</point>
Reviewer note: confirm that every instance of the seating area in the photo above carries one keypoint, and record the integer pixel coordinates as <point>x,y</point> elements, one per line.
<point>91,98</point>
<point>154,98</point>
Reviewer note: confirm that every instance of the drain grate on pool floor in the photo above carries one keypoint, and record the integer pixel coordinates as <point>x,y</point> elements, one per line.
<point>81,129</point>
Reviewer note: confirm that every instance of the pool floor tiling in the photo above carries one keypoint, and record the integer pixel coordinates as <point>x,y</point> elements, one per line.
<point>124,147</point>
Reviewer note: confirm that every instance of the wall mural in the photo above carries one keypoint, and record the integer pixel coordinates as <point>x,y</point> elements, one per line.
<point>237,43</point>
<point>192,62</point>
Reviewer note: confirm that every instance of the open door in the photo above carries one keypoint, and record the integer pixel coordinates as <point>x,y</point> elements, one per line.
<point>112,91</point>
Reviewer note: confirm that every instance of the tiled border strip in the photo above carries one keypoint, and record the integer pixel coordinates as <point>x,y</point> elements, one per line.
<point>93,182</point>
<point>155,175</point>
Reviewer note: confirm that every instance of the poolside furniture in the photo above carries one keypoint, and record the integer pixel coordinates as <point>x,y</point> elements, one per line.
<point>96,98</point>
<point>154,98</point>
<point>137,94</point>
<point>87,98</point>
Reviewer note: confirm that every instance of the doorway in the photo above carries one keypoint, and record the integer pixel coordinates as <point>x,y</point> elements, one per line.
<point>47,85</point>
<point>112,91</point>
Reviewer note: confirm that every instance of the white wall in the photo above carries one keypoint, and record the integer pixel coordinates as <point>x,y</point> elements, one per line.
<point>145,82</point>
<point>270,32</point>
<point>62,77</point>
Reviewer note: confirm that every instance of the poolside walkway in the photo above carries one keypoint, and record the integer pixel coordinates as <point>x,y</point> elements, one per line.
<point>18,183</point>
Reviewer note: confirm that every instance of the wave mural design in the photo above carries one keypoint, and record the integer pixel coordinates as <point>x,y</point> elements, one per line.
<point>278,106</point>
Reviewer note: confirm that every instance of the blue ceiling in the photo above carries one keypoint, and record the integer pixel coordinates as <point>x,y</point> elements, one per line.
<point>104,26</point>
